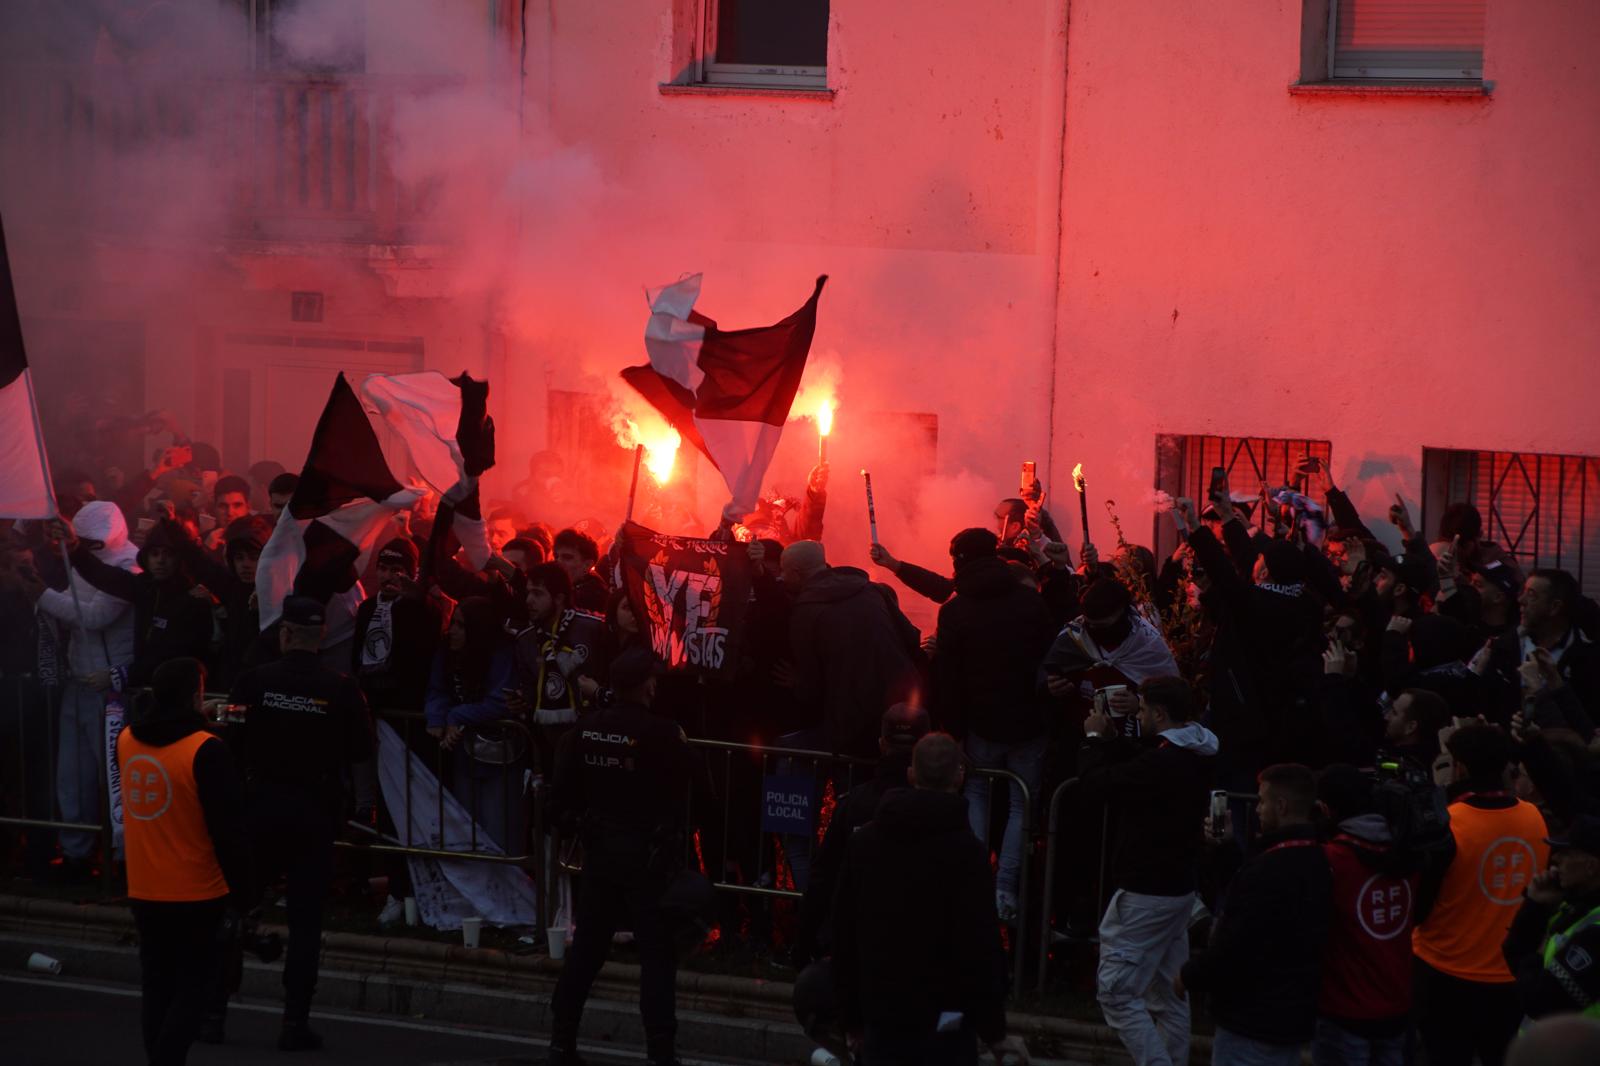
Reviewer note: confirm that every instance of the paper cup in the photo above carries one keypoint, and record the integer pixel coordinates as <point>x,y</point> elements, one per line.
<point>558,942</point>
<point>471,930</point>
<point>40,963</point>
<point>411,910</point>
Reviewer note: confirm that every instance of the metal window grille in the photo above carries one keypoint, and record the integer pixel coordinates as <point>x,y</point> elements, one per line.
<point>1543,509</point>
<point>1184,462</point>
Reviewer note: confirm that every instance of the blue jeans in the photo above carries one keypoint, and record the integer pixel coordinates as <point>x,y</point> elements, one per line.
<point>1335,1045</point>
<point>81,767</point>
<point>1231,1049</point>
<point>1026,760</point>
<point>798,849</point>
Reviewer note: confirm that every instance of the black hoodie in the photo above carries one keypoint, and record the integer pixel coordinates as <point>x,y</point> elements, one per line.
<point>991,638</point>
<point>169,621</point>
<point>914,926</point>
<point>855,656</point>
<point>217,784</point>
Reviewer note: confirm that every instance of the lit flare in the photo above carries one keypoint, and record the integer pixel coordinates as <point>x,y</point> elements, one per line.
<point>1077,477</point>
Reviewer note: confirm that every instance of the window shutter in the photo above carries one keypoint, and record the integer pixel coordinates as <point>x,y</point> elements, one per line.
<point>1408,38</point>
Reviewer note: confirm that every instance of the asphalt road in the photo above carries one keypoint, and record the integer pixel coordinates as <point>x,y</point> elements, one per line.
<point>53,1021</point>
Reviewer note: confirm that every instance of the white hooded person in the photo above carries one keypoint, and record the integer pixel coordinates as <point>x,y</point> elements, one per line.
<point>101,649</point>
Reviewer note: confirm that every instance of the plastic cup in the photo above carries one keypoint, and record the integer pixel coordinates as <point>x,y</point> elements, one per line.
<point>471,930</point>
<point>41,963</point>
<point>411,910</point>
<point>558,942</point>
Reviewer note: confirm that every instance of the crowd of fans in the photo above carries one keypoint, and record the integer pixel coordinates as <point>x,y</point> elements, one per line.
<point>1418,861</point>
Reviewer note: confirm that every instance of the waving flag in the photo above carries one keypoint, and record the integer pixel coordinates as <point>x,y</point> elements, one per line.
<point>727,392</point>
<point>369,460</point>
<point>24,472</point>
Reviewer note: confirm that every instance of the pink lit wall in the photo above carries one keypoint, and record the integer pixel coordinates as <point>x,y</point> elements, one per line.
<point>1385,272</point>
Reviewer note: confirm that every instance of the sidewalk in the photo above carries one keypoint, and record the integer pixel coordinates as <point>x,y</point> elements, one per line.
<point>491,989</point>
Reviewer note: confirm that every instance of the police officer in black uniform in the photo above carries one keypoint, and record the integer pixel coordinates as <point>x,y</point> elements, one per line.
<point>304,727</point>
<point>622,775</point>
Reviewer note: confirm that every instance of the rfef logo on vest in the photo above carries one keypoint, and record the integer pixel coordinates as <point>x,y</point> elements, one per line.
<point>1503,874</point>
<point>146,789</point>
<point>1384,910</point>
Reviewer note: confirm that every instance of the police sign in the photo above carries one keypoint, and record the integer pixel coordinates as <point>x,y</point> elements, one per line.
<point>788,803</point>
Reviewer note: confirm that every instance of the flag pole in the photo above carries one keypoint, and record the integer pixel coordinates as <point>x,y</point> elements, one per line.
<point>633,489</point>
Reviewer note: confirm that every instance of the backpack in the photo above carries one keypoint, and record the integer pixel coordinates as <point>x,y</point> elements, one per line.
<point>1417,814</point>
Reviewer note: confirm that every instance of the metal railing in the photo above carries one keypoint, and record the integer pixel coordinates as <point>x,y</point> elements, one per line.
<point>1102,871</point>
<point>848,770</point>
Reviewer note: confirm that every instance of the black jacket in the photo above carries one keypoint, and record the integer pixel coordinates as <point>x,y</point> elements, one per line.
<point>1158,789</point>
<point>1263,969</point>
<point>169,622</point>
<point>1544,991</point>
<point>854,810</point>
<point>402,681</point>
<point>304,726</point>
<point>1266,657</point>
<point>991,638</point>
<point>915,931</point>
<point>1579,663</point>
<point>622,774</point>
<point>855,655</point>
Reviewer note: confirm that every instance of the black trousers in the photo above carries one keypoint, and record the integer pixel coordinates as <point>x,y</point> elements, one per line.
<point>1458,1019</point>
<point>27,777</point>
<point>178,951</point>
<point>606,901</point>
<point>291,836</point>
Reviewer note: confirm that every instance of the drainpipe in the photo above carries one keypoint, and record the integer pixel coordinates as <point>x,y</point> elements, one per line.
<point>1060,64</point>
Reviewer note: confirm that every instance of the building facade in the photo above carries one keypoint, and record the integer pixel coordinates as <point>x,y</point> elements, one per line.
<point>1149,237</point>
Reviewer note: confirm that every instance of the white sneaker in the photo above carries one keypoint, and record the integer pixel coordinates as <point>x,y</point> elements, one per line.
<point>1006,904</point>
<point>393,911</point>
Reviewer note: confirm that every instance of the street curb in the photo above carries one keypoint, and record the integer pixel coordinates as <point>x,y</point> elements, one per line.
<point>489,988</point>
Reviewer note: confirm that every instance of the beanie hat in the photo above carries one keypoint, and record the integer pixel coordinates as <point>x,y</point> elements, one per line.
<point>1286,564</point>
<point>972,544</point>
<point>401,552</point>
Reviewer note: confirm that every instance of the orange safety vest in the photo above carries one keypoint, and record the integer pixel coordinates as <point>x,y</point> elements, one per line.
<point>1498,850</point>
<point>168,847</point>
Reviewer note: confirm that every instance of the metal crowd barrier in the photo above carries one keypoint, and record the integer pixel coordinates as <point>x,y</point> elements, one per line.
<point>1102,873</point>
<point>31,703</point>
<point>844,772</point>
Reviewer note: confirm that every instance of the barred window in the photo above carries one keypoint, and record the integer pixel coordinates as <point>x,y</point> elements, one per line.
<point>1184,463</point>
<point>1543,509</point>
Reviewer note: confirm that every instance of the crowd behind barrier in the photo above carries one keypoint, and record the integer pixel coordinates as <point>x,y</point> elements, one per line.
<point>1280,645</point>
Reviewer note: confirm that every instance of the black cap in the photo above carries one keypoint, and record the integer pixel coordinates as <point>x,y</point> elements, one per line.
<point>633,668</point>
<point>303,611</point>
<point>1406,570</point>
<point>1581,835</point>
<point>401,552</point>
<point>903,725</point>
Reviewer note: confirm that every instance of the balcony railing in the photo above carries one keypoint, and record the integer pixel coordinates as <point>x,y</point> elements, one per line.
<point>268,157</point>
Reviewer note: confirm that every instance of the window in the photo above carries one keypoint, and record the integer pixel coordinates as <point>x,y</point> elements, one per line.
<point>764,43</point>
<point>1406,39</point>
<point>1543,509</point>
<point>1184,462</point>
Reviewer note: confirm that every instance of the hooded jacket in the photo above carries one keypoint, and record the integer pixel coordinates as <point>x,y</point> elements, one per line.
<point>1366,966</point>
<point>915,931</point>
<point>168,621</point>
<point>104,639</point>
<point>1158,789</point>
<point>1263,966</point>
<point>991,638</point>
<point>855,655</point>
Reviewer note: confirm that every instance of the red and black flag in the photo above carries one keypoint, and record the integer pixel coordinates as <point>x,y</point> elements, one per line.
<point>727,392</point>
<point>371,456</point>
<point>24,470</point>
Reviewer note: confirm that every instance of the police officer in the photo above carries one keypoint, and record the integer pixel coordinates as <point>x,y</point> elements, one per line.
<point>304,727</point>
<point>1553,946</point>
<point>622,774</point>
